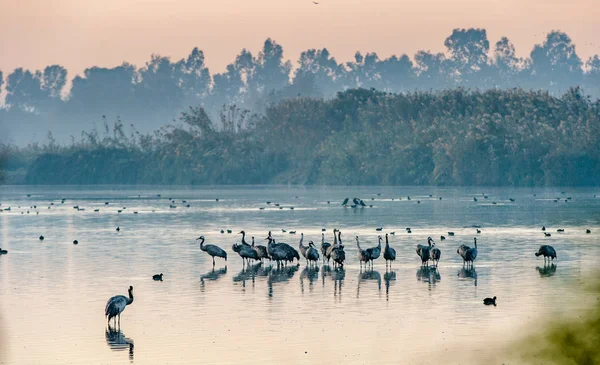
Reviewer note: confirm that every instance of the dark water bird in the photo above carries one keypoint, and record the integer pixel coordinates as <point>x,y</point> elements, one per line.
<point>324,247</point>
<point>212,250</point>
<point>588,231</point>
<point>560,230</point>
<point>157,277</point>
<point>106,203</point>
<point>379,229</point>
<point>375,252</point>
<point>393,233</point>
<point>450,233</point>
<point>435,254</point>
<point>408,231</point>
<point>442,238</point>
<point>217,199</point>
<point>292,232</point>
<point>229,231</point>
<point>246,252</point>
<point>116,305</point>
<point>119,211</point>
<point>408,197</point>
<point>462,251</point>
<point>337,254</point>
<point>96,210</point>
<point>511,199</point>
<point>268,203</point>
<point>75,242</point>
<point>423,251</point>
<point>345,202</point>
<point>471,253</point>
<point>261,208</point>
<point>389,254</point>
<point>478,230</point>
<point>116,341</point>
<point>277,204</point>
<point>135,212</point>
<point>330,247</point>
<point>261,251</point>
<point>277,253</point>
<point>290,252</point>
<point>303,248</point>
<point>243,233</point>
<point>546,234</point>
<point>3,252</point>
<point>474,199</point>
<point>547,251</point>
<point>490,301</point>
<point>362,203</point>
<point>41,238</point>
<point>283,230</point>
<point>323,230</point>
<point>118,229</point>
<point>363,256</point>
<point>312,254</point>
<point>222,231</point>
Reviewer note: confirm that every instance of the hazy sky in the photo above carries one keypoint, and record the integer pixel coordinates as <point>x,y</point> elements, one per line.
<point>82,33</point>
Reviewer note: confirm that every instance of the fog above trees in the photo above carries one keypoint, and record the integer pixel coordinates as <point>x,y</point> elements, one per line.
<point>148,97</point>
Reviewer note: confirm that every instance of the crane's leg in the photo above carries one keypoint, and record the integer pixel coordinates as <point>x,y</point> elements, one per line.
<point>213,261</point>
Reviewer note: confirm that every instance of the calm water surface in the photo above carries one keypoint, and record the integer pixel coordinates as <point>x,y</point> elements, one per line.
<point>53,293</point>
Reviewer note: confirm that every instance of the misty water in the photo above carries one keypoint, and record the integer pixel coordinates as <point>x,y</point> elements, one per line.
<point>53,293</point>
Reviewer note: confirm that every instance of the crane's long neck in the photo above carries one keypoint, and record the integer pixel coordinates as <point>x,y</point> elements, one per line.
<point>357,244</point>
<point>301,239</point>
<point>244,238</point>
<point>322,238</point>
<point>340,238</point>
<point>202,244</point>
<point>387,244</point>
<point>130,300</point>
<point>335,242</point>
<point>379,244</point>
<point>252,241</point>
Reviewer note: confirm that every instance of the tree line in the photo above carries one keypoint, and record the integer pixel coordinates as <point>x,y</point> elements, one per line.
<point>157,92</point>
<point>459,137</point>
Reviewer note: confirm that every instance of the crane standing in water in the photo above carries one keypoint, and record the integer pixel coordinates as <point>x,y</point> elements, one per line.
<point>212,250</point>
<point>116,305</point>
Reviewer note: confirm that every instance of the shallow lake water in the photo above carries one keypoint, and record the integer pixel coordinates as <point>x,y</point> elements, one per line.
<point>53,293</point>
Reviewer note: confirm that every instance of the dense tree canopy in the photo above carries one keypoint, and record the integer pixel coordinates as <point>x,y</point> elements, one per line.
<point>152,95</point>
<point>361,136</point>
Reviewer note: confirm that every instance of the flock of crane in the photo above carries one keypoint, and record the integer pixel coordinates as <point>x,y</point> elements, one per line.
<point>283,253</point>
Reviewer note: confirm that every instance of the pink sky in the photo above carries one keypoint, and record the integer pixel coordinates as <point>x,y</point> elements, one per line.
<point>78,34</point>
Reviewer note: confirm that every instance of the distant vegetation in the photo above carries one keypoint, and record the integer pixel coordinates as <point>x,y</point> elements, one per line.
<point>152,95</point>
<point>453,137</point>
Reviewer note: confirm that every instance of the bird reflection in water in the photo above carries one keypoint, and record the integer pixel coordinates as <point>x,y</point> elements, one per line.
<point>310,273</point>
<point>249,272</point>
<point>280,275</point>
<point>547,270</point>
<point>429,275</point>
<point>468,273</point>
<point>388,277</point>
<point>337,275</point>
<point>116,340</point>
<point>212,275</point>
<point>369,275</point>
